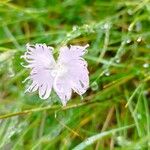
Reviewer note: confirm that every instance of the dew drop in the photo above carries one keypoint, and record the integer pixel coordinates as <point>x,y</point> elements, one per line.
<point>139,39</point>
<point>94,86</point>
<point>148,45</point>
<point>128,41</point>
<point>145,92</point>
<point>54,73</point>
<point>138,147</point>
<point>146,65</point>
<point>87,141</point>
<point>130,12</point>
<point>107,73</point>
<point>139,116</point>
<point>75,27</point>
<point>130,28</point>
<point>68,35</point>
<point>122,141</point>
<point>106,26</point>
<point>55,115</point>
<point>138,26</point>
<point>86,27</point>
<point>117,60</point>
<point>119,138</point>
<point>20,14</point>
<point>12,74</point>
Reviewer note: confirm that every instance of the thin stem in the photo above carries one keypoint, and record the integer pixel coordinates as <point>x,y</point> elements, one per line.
<point>57,107</point>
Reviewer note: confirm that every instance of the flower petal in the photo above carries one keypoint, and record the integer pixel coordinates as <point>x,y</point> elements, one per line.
<point>74,52</point>
<point>77,76</point>
<point>62,88</point>
<point>41,62</point>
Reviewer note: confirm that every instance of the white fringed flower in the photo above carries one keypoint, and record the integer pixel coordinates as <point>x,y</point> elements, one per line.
<point>68,74</point>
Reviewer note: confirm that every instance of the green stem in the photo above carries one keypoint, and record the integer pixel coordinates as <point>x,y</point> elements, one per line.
<point>57,107</point>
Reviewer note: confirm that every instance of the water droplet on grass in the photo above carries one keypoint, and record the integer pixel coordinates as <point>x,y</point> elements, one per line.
<point>55,114</point>
<point>117,60</point>
<point>146,65</point>
<point>138,26</point>
<point>122,141</point>
<point>87,141</point>
<point>139,116</point>
<point>106,26</point>
<point>139,39</point>
<point>68,35</point>
<point>130,28</point>
<point>12,74</point>
<point>138,147</point>
<point>128,41</point>
<point>148,45</point>
<point>94,86</point>
<point>74,28</point>
<point>130,12</point>
<point>107,73</point>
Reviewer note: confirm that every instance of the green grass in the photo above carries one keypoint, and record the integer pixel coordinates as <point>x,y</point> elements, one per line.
<point>114,114</point>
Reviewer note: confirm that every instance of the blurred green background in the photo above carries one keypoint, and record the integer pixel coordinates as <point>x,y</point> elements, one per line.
<point>114,114</point>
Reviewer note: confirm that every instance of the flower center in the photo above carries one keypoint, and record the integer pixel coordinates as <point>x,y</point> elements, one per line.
<point>59,70</point>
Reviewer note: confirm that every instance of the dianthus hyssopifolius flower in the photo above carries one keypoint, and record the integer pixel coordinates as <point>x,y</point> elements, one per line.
<point>69,73</point>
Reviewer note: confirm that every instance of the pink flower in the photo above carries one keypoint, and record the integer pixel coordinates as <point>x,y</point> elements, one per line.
<point>69,73</point>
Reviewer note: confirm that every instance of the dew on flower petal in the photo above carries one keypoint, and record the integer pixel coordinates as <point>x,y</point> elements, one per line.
<point>146,65</point>
<point>53,73</point>
<point>94,86</point>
